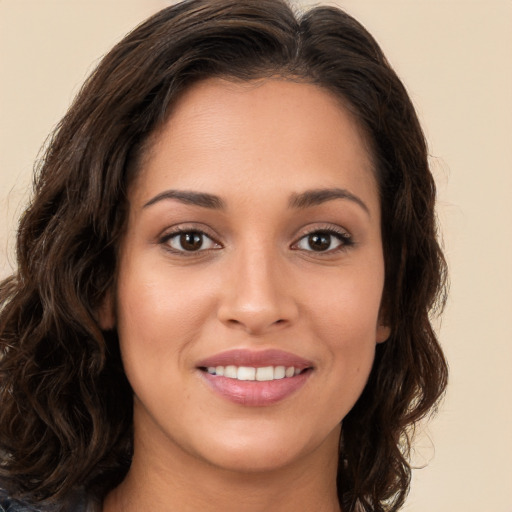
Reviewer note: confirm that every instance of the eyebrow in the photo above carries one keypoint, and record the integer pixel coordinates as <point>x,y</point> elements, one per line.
<point>303,200</point>
<point>319,196</point>
<point>189,197</point>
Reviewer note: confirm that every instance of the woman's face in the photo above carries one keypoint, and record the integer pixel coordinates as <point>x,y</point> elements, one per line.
<point>252,251</point>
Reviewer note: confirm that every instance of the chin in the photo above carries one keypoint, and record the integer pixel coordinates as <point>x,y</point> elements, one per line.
<point>264,451</point>
<point>253,460</point>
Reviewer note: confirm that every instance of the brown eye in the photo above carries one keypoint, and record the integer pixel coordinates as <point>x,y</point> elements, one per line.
<point>190,241</point>
<point>319,241</point>
<point>324,241</point>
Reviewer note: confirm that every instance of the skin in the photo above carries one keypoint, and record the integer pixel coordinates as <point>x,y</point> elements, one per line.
<point>256,285</point>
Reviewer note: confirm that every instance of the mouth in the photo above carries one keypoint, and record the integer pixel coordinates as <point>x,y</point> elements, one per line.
<point>250,373</point>
<point>255,378</point>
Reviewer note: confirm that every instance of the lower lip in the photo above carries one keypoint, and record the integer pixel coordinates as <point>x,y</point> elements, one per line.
<point>255,393</point>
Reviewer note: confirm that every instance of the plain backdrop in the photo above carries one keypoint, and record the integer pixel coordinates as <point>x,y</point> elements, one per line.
<point>455,57</point>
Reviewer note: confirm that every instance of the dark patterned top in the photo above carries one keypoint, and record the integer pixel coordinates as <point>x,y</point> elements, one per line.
<point>79,502</point>
<point>8,505</point>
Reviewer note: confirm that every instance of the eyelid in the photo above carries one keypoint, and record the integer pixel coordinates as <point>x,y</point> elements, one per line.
<point>339,232</point>
<point>182,228</point>
<point>342,234</point>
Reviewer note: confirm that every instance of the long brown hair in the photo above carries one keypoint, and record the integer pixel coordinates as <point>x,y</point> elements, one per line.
<point>65,403</point>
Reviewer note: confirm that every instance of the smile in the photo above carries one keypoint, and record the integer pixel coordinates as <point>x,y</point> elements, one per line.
<point>255,378</point>
<point>265,373</point>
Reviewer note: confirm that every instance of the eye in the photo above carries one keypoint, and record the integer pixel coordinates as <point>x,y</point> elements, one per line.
<point>324,241</point>
<point>190,241</point>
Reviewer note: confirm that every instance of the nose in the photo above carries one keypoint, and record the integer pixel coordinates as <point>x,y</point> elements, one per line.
<point>258,294</point>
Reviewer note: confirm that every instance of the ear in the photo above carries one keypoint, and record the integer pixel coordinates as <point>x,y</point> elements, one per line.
<point>106,312</point>
<point>383,333</point>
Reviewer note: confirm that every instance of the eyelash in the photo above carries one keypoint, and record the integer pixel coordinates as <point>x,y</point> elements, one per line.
<point>188,231</point>
<point>345,239</point>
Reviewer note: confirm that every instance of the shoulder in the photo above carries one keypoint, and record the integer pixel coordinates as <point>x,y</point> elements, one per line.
<point>79,502</point>
<point>10,505</point>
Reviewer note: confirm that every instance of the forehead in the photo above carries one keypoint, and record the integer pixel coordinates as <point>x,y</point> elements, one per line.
<point>274,131</point>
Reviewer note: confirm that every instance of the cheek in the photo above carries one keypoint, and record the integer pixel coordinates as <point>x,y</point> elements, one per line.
<point>346,307</point>
<point>151,298</point>
<point>345,317</point>
<point>159,315</point>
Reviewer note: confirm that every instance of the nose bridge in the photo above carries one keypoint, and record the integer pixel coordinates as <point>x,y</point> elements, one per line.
<point>256,297</point>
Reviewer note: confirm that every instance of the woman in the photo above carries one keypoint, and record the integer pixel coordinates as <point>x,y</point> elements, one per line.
<point>225,276</point>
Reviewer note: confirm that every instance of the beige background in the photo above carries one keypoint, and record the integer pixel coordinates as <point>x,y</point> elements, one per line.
<point>455,58</point>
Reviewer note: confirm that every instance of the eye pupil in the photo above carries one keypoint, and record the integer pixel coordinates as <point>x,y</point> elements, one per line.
<point>191,241</point>
<point>319,241</point>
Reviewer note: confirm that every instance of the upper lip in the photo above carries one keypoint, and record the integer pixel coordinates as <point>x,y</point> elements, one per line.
<point>256,359</point>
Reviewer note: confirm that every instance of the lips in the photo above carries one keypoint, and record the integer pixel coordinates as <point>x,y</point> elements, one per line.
<point>255,378</point>
<point>256,359</point>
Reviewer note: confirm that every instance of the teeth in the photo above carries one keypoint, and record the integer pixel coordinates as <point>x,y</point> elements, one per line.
<point>230,372</point>
<point>246,373</point>
<point>264,373</point>
<point>279,372</point>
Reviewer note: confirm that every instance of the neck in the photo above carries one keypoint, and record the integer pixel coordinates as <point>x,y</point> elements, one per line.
<point>179,482</point>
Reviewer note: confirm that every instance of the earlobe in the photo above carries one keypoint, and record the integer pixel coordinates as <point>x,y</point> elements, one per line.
<point>106,315</point>
<point>383,333</point>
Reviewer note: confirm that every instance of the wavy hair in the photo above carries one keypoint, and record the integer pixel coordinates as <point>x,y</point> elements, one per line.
<point>65,403</point>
